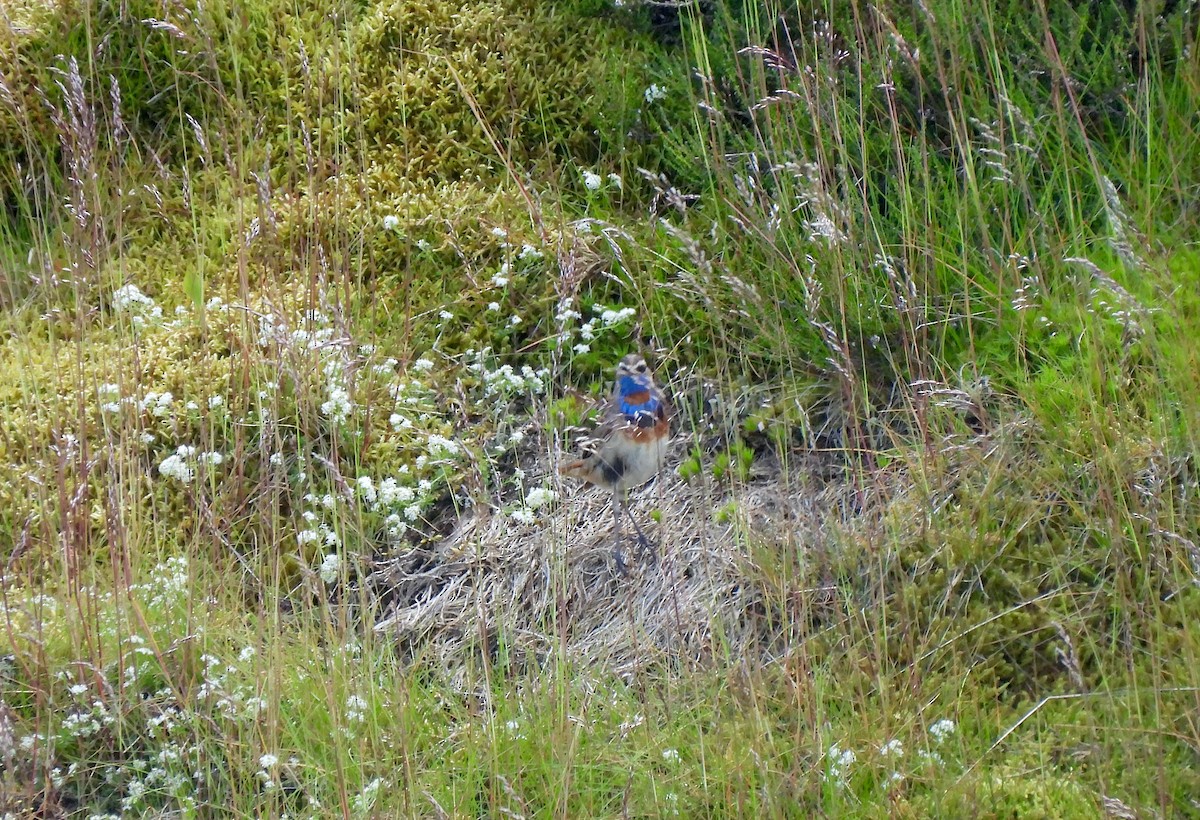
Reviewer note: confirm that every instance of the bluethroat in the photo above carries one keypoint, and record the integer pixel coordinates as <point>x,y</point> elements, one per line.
<point>628,447</point>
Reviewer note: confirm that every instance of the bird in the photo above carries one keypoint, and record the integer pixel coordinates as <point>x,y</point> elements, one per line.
<point>628,447</point>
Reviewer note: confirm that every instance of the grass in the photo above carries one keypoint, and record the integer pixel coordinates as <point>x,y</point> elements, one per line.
<point>292,348</point>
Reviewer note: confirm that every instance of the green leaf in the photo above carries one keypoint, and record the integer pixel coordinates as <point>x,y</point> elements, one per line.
<point>193,286</point>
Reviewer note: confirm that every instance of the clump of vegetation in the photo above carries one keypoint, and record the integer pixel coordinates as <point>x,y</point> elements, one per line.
<point>293,348</point>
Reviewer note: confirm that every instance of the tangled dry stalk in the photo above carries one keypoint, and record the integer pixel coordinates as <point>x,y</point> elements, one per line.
<point>551,586</point>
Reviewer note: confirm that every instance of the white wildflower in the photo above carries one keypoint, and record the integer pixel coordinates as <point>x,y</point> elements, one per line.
<point>330,565</point>
<point>366,488</point>
<point>942,729</point>
<point>176,465</point>
<point>654,93</point>
<point>539,497</point>
<point>339,406</point>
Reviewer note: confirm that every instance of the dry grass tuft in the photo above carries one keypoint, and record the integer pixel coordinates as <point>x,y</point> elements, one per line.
<point>552,586</point>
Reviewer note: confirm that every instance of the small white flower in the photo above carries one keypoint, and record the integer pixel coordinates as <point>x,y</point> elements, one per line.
<point>441,445</point>
<point>654,93</point>
<point>500,280</point>
<point>616,181</point>
<point>445,315</point>
<point>175,466</point>
<point>330,566</point>
<point>523,514</point>
<point>539,497</point>
<point>499,233</point>
<point>366,488</point>
<point>942,729</point>
<point>267,761</point>
<point>515,320</point>
<point>892,747</point>
<point>592,181</point>
<point>529,252</point>
<point>422,365</point>
<point>838,761</point>
<point>215,401</point>
<point>339,406</point>
<point>493,306</point>
<point>616,317</point>
<point>670,755</point>
<point>391,222</point>
<point>423,244</point>
<point>582,348</point>
<point>356,708</point>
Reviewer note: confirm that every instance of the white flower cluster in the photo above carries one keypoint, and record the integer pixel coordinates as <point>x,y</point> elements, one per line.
<point>331,565</point>
<point>316,530</point>
<point>603,319</point>
<point>169,584</point>
<point>505,380</point>
<point>181,465</point>
<point>594,182</point>
<point>838,763</point>
<point>158,404</point>
<point>942,729</point>
<point>535,499</point>
<point>338,407</point>
<point>275,329</point>
<point>140,307</point>
<point>401,504</point>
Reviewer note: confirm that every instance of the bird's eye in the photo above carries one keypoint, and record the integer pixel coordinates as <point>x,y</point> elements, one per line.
<point>640,367</point>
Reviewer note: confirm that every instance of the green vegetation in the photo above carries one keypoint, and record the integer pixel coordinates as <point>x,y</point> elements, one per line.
<point>302,305</point>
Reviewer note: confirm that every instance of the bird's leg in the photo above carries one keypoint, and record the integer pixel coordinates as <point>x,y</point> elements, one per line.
<point>647,547</point>
<point>617,557</point>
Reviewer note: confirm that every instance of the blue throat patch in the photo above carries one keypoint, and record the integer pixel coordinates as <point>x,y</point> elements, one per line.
<point>629,387</point>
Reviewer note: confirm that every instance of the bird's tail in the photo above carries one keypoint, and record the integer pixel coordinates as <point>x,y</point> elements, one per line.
<point>579,468</point>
